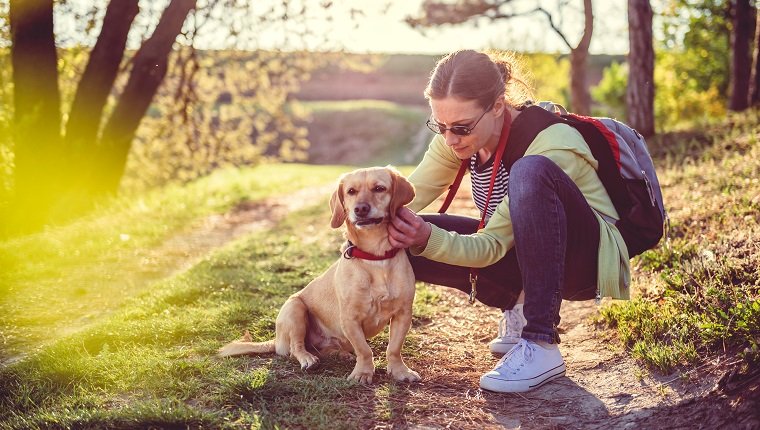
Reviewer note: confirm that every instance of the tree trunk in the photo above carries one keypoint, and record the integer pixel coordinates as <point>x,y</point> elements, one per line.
<point>640,89</point>
<point>37,116</point>
<point>754,84</point>
<point>741,62</point>
<point>580,98</point>
<point>99,75</point>
<point>93,90</point>
<point>148,71</point>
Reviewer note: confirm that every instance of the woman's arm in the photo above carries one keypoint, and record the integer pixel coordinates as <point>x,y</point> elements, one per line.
<point>564,147</point>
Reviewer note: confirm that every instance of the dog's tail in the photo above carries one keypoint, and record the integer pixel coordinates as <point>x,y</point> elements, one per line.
<point>245,346</point>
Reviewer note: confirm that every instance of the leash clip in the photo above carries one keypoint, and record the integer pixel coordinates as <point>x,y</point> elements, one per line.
<point>473,287</point>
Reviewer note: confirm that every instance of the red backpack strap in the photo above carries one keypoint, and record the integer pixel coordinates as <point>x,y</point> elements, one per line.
<point>609,137</point>
<point>454,187</point>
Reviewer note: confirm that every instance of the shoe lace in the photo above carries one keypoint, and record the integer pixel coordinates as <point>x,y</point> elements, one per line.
<point>510,324</point>
<point>517,357</point>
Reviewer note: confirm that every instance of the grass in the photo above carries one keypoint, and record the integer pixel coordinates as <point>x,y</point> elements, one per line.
<point>152,362</point>
<point>700,291</point>
<point>149,361</point>
<point>70,276</point>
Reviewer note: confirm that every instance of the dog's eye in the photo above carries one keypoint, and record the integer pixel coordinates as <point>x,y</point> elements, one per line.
<point>351,192</point>
<point>379,189</point>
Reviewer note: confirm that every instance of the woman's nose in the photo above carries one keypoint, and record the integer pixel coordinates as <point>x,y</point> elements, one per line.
<point>451,138</point>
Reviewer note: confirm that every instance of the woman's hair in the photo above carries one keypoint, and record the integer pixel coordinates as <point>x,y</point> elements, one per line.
<point>481,76</point>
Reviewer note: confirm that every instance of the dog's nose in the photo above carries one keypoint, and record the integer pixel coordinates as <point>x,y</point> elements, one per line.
<point>361,209</point>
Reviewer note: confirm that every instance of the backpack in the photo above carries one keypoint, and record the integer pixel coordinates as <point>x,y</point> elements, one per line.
<point>625,168</point>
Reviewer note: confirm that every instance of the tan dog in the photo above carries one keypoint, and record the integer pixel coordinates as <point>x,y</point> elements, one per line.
<point>356,297</point>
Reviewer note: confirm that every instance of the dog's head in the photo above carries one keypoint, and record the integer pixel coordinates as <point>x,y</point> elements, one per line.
<point>368,197</point>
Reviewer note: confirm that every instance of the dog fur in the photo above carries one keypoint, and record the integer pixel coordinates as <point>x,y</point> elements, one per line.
<point>354,299</point>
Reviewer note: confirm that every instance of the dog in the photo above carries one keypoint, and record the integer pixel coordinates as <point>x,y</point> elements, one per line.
<point>370,286</point>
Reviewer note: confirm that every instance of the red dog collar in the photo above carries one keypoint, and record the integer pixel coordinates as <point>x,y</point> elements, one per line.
<point>354,252</point>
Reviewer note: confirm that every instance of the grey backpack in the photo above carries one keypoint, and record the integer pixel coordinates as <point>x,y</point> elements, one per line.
<point>625,169</point>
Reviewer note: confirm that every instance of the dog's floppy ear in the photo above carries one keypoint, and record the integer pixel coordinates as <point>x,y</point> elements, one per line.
<point>402,191</point>
<point>336,206</point>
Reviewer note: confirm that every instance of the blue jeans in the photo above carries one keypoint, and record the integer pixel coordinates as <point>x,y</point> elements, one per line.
<point>554,255</point>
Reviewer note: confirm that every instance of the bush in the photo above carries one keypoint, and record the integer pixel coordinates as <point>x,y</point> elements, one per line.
<point>680,99</point>
<point>610,92</point>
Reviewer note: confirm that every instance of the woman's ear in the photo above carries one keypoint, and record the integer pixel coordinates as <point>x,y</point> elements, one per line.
<point>498,106</point>
<point>337,209</point>
<point>402,191</point>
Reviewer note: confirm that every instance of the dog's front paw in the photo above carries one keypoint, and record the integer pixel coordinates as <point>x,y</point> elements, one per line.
<point>402,373</point>
<point>362,375</point>
<point>307,361</point>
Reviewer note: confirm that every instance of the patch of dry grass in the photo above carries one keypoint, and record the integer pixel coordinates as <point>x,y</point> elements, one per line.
<point>699,292</point>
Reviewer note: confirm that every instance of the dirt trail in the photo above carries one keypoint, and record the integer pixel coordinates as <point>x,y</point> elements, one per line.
<point>603,388</point>
<point>176,254</point>
<point>185,249</point>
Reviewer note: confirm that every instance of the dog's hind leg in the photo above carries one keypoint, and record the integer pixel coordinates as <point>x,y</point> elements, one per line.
<point>291,327</point>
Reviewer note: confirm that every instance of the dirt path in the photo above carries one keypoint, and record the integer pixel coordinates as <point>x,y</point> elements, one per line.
<point>604,388</point>
<point>176,254</point>
<point>185,249</point>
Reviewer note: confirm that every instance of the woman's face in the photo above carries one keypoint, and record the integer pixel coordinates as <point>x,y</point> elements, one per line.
<point>450,111</point>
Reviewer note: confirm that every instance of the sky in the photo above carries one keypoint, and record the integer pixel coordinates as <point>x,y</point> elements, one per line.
<point>380,27</point>
<point>386,32</point>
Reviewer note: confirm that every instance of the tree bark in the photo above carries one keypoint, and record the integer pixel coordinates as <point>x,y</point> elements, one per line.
<point>98,77</point>
<point>754,85</point>
<point>640,89</point>
<point>741,62</point>
<point>580,98</point>
<point>148,70</point>
<point>37,115</point>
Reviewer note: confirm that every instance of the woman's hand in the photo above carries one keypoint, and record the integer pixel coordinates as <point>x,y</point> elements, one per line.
<point>408,229</point>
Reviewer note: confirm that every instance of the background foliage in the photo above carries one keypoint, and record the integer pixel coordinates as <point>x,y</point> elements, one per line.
<point>691,67</point>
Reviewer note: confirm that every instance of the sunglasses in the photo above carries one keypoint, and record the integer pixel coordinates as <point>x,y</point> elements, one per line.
<point>459,130</point>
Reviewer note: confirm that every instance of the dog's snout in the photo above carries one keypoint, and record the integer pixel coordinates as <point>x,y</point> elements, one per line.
<point>361,209</point>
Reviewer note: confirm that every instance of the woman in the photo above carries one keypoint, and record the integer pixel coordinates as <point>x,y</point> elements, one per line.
<point>547,235</point>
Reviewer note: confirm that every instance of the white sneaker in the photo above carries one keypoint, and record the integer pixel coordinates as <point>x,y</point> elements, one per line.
<point>510,330</point>
<point>527,366</point>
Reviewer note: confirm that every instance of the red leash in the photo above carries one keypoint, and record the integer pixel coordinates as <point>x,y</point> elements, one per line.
<point>505,128</point>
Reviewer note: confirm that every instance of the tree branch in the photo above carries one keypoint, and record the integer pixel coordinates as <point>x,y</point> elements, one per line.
<point>554,27</point>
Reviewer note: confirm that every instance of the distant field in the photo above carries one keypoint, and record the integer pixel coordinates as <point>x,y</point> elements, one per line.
<point>376,115</point>
<point>402,78</point>
<point>366,132</point>
<point>397,78</point>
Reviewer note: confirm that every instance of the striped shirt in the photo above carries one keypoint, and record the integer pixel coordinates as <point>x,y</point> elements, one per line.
<point>480,175</point>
